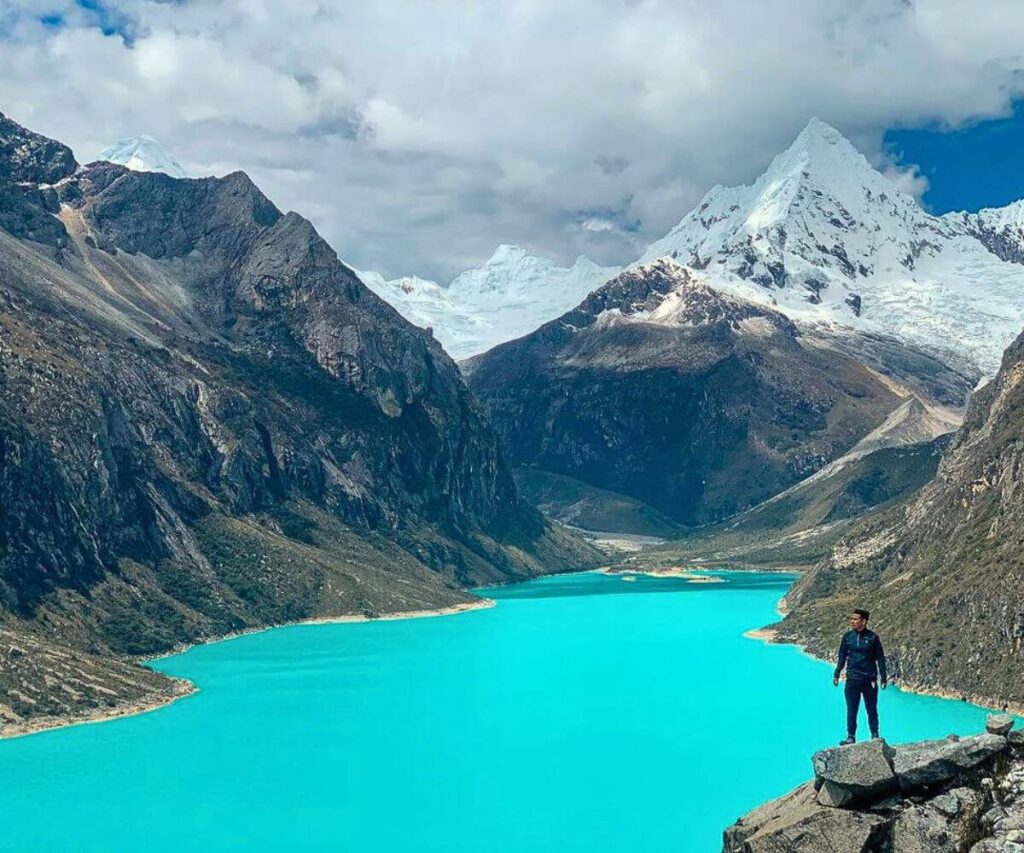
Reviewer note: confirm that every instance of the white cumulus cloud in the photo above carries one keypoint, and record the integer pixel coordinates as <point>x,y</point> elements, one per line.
<point>417,136</point>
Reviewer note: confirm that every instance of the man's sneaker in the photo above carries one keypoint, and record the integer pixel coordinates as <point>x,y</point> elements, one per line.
<point>847,741</point>
<point>876,736</point>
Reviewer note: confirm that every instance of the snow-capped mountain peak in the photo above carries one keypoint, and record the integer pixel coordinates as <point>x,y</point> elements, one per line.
<point>827,238</point>
<point>513,277</point>
<point>143,154</point>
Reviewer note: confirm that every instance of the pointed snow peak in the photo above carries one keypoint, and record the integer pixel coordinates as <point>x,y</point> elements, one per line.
<point>506,253</point>
<point>816,129</point>
<point>822,154</point>
<point>819,141</point>
<point>143,154</point>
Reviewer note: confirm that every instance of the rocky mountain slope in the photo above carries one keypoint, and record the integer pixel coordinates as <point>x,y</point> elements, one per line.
<point>957,795</point>
<point>693,401</point>
<point>142,154</point>
<point>208,423</point>
<point>510,295</point>
<point>824,237</point>
<point>944,572</point>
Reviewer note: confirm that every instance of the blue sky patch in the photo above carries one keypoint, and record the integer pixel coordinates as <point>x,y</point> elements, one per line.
<point>970,168</point>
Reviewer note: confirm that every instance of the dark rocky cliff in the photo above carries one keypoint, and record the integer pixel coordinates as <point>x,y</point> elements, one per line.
<point>665,390</point>
<point>208,423</point>
<point>942,573</point>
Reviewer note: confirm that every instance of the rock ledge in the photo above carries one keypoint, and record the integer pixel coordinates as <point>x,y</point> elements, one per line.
<point>955,795</point>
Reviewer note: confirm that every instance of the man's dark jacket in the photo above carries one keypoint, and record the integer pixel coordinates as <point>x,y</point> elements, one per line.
<point>862,655</point>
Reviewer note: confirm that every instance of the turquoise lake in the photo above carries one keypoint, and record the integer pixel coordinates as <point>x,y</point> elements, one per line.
<point>582,713</point>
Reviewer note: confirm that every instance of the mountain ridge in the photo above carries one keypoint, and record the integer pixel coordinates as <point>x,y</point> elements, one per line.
<point>208,424</point>
<point>823,237</point>
<point>942,570</point>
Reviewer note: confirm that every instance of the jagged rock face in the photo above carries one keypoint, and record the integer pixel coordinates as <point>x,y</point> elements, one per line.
<point>28,164</point>
<point>944,573</point>
<point>208,422</point>
<point>663,389</point>
<point>27,157</point>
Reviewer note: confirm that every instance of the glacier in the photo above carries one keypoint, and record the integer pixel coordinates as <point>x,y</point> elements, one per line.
<point>825,238</point>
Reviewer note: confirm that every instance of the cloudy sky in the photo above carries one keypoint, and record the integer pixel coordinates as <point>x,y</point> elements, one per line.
<point>418,135</point>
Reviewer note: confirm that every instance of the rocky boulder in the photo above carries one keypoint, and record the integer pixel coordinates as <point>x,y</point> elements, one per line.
<point>999,724</point>
<point>935,762</point>
<point>795,822</point>
<point>860,771</point>
<point>944,825</point>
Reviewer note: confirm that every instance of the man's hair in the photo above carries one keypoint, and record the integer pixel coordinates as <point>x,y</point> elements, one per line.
<point>863,614</point>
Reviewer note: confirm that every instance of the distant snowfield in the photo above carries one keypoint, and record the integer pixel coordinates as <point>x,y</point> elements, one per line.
<point>507,297</point>
<point>143,154</point>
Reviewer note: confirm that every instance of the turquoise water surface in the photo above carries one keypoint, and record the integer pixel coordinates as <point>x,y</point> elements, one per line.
<point>582,713</point>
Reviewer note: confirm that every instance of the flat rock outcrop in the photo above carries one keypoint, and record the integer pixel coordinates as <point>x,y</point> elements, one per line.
<point>957,795</point>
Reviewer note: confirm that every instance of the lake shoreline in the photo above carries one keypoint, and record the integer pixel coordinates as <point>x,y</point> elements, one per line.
<point>771,636</point>
<point>181,688</point>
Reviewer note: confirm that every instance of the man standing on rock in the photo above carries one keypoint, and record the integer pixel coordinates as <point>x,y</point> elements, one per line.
<point>860,651</point>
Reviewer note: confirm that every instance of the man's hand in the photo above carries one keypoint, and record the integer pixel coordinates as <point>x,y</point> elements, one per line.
<point>835,682</point>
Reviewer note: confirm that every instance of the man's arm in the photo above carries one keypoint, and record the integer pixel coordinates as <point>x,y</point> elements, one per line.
<point>842,660</point>
<point>882,674</point>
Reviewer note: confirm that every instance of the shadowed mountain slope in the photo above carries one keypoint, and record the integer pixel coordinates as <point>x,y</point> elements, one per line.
<point>698,403</point>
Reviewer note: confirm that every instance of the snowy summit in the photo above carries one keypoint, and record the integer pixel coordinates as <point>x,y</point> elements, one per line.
<point>143,154</point>
<point>826,238</point>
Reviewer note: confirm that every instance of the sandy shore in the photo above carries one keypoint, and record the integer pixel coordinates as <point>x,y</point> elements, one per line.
<point>463,607</point>
<point>674,572</point>
<point>179,688</point>
<point>767,635</point>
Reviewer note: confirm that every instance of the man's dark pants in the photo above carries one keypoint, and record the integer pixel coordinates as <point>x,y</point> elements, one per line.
<point>855,688</point>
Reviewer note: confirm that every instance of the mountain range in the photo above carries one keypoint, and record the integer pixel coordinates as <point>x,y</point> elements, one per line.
<point>208,422</point>
<point>821,236</point>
